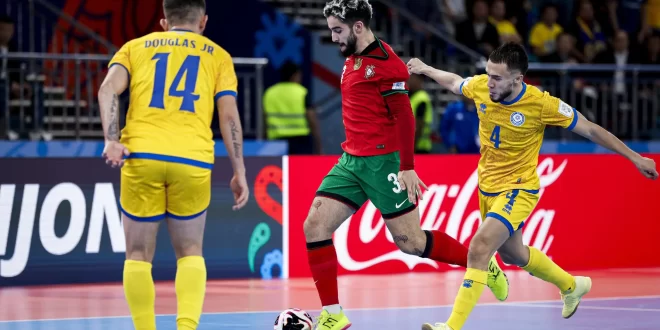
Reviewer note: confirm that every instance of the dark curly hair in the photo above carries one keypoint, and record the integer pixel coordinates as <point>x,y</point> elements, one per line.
<point>349,11</point>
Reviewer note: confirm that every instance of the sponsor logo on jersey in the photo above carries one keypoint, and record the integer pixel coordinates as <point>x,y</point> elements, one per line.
<point>399,85</point>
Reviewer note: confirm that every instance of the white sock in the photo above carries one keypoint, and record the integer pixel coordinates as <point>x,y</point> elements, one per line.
<point>333,309</point>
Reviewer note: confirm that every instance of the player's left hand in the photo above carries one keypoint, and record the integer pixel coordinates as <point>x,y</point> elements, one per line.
<point>410,181</point>
<point>647,167</point>
<point>114,153</point>
<point>239,187</point>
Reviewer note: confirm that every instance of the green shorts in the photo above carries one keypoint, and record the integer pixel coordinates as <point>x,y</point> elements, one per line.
<point>354,180</point>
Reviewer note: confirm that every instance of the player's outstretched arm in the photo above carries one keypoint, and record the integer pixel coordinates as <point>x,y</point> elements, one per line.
<point>601,136</point>
<point>448,80</point>
<point>232,134</point>
<point>108,96</point>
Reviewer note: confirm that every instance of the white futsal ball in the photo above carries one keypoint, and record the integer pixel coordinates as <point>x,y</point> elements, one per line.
<point>294,319</point>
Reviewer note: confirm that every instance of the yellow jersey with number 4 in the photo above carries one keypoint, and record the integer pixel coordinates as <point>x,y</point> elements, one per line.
<point>175,79</point>
<point>511,133</point>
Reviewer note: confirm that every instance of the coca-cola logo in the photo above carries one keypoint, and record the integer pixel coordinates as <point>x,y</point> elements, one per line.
<point>461,222</point>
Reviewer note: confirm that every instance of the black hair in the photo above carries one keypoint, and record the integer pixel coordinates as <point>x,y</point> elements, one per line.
<point>288,70</point>
<point>183,11</point>
<point>6,19</point>
<point>349,11</point>
<point>547,6</point>
<point>511,54</point>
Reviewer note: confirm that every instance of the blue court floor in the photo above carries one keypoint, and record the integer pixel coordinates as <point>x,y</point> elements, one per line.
<point>640,313</point>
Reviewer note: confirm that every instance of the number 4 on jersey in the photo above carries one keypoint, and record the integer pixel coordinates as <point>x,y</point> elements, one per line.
<point>189,67</point>
<point>495,136</point>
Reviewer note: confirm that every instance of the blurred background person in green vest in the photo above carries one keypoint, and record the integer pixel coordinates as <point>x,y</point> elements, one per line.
<point>420,101</point>
<point>289,115</point>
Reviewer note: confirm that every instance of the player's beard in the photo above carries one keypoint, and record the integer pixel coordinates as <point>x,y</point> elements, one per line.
<point>504,95</point>
<point>350,45</point>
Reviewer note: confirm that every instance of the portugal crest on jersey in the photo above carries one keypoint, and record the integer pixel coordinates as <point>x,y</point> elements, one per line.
<point>369,71</point>
<point>517,119</point>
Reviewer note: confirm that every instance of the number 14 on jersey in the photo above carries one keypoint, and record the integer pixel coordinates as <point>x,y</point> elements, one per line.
<point>189,67</point>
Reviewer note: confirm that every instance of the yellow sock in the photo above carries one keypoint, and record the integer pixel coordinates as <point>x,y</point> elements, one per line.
<point>474,283</point>
<point>140,294</point>
<point>190,287</point>
<point>541,266</point>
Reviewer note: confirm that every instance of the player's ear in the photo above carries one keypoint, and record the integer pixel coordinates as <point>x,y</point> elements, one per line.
<point>163,24</point>
<point>202,23</point>
<point>358,27</point>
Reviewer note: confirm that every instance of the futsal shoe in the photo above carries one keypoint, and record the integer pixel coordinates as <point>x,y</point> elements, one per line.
<point>497,280</point>
<point>572,299</point>
<point>437,326</point>
<point>327,321</point>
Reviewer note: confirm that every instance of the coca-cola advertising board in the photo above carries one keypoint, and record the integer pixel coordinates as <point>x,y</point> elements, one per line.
<point>594,212</point>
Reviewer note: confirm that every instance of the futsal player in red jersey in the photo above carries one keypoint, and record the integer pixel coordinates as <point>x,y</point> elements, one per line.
<point>377,163</point>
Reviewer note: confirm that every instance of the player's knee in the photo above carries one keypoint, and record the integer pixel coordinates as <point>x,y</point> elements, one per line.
<point>479,251</point>
<point>139,251</point>
<point>187,246</point>
<point>314,229</point>
<point>512,259</point>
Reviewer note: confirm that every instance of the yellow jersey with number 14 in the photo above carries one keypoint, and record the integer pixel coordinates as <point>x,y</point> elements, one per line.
<point>511,134</point>
<point>175,79</point>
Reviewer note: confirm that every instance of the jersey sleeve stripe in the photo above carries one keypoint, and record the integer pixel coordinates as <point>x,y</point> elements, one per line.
<point>575,120</point>
<point>388,93</point>
<point>223,93</point>
<point>460,88</point>
<point>123,66</point>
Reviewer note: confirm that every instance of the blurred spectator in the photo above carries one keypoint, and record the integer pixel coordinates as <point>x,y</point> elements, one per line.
<point>651,21</point>
<point>590,37</point>
<point>420,101</point>
<point>520,13</point>
<point>543,37</point>
<point>453,12</point>
<point>630,16</point>
<point>505,28</point>
<point>459,127</point>
<point>289,115</point>
<point>10,77</point>
<point>564,52</point>
<point>605,13</point>
<point>652,54</point>
<point>476,32</point>
<point>620,55</point>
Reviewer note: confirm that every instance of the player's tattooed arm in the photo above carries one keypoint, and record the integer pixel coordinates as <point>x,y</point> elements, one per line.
<point>112,133</point>
<point>114,84</point>
<point>234,139</point>
<point>232,132</point>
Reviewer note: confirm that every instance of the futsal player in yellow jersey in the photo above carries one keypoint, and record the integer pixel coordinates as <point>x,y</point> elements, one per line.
<point>166,151</point>
<point>512,118</point>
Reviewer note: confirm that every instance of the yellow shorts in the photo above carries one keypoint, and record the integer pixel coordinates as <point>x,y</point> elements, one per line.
<point>152,190</point>
<point>512,207</point>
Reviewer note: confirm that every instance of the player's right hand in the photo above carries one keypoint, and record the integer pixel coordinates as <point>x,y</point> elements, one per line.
<point>410,181</point>
<point>114,153</point>
<point>647,167</point>
<point>416,66</point>
<point>239,187</point>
